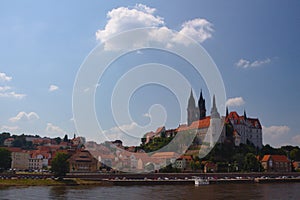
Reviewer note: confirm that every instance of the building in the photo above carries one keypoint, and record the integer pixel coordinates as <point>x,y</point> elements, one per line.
<point>83,161</point>
<point>195,113</point>
<point>20,160</point>
<point>276,163</point>
<point>8,142</point>
<point>249,129</point>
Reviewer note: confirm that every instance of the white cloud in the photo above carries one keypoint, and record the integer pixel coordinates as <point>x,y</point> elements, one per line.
<point>237,101</point>
<point>198,29</point>
<point>243,63</point>
<point>6,91</point>
<point>296,140</point>
<point>4,88</point>
<point>123,19</point>
<point>276,135</point>
<point>4,77</point>
<point>5,128</point>
<point>127,133</point>
<point>12,94</point>
<point>146,115</point>
<point>53,88</point>
<point>23,116</point>
<point>50,128</point>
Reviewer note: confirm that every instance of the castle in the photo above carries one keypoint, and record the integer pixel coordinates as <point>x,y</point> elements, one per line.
<point>245,129</point>
<point>214,128</point>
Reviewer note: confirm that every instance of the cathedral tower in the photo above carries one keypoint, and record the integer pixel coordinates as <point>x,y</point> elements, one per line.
<point>192,110</point>
<point>201,106</point>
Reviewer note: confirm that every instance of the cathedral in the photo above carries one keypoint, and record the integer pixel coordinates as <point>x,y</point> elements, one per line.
<point>245,129</point>
<point>196,113</point>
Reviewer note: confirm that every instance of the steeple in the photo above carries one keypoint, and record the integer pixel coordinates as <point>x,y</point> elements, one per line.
<point>245,115</point>
<point>214,111</point>
<point>191,100</point>
<point>227,113</point>
<point>201,106</point>
<point>192,110</point>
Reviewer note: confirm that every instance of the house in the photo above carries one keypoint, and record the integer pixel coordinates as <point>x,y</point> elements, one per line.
<point>209,167</point>
<point>296,165</point>
<point>83,161</point>
<point>19,159</point>
<point>8,142</point>
<point>276,163</point>
<point>183,162</point>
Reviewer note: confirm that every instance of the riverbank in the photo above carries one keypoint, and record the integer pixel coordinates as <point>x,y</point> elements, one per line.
<point>48,182</point>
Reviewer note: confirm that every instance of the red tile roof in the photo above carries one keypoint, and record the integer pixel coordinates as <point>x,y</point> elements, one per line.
<point>275,158</point>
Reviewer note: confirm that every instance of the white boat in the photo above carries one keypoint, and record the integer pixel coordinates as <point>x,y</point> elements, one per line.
<point>201,181</point>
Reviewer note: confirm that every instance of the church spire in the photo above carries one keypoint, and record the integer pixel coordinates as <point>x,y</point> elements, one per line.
<point>227,113</point>
<point>245,115</point>
<point>214,111</point>
<point>192,109</point>
<point>201,106</point>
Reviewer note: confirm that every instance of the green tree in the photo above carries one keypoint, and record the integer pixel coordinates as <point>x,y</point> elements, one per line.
<point>295,154</point>
<point>60,165</point>
<point>251,164</point>
<point>5,159</point>
<point>66,139</point>
<point>3,136</point>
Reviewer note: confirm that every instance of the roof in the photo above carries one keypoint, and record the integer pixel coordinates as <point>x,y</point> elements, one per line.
<point>165,155</point>
<point>275,158</point>
<point>159,130</point>
<point>202,123</point>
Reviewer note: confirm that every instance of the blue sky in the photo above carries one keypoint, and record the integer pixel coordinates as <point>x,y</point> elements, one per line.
<point>255,45</point>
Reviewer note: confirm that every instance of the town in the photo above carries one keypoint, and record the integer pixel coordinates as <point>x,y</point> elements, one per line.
<point>239,148</point>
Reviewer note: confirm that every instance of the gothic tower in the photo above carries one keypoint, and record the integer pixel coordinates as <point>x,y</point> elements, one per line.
<point>192,110</point>
<point>201,106</point>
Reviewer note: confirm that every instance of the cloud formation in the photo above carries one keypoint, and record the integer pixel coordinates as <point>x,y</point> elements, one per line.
<point>50,128</point>
<point>235,102</point>
<point>6,91</point>
<point>276,135</point>
<point>53,88</point>
<point>23,116</point>
<point>243,63</point>
<point>123,19</point>
<point>126,133</point>
<point>9,129</point>
<point>4,77</point>
<point>198,29</point>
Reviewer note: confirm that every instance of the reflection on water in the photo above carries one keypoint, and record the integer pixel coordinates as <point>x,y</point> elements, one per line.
<point>229,191</point>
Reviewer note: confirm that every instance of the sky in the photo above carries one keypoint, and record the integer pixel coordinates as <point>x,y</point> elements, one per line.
<point>45,45</point>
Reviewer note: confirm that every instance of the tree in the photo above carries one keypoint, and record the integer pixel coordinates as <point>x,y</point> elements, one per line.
<point>295,154</point>
<point>66,139</point>
<point>60,165</point>
<point>5,159</point>
<point>251,163</point>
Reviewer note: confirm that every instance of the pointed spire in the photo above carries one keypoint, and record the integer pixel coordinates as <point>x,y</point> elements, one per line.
<point>214,111</point>
<point>245,115</point>
<point>191,103</point>
<point>214,102</point>
<point>227,113</point>
<point>201,96</point>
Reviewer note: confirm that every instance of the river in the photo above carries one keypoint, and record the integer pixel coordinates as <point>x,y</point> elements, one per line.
<point>190,192</point>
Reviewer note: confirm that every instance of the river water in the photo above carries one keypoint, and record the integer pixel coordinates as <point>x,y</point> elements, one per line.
<point>221,191</point>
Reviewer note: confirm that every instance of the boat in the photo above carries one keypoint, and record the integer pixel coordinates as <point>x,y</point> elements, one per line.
<point>201,181</point>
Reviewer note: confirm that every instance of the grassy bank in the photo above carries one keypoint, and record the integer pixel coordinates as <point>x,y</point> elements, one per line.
<point>46,182</point>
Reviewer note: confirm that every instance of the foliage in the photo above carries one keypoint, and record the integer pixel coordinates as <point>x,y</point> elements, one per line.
<point>295,154</point>
<point>60,165</point>
<point>3,136</point>
<point>251,163</point>
<point>5,159</point>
